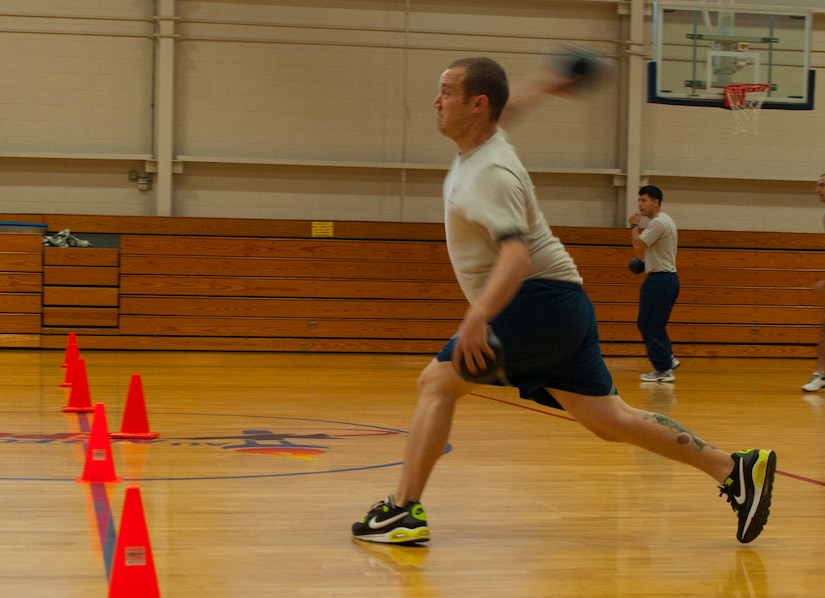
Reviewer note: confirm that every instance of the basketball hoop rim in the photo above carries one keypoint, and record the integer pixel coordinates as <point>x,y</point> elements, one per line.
<point>736,92</point>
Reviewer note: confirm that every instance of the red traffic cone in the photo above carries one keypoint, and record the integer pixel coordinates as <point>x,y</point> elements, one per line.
<point>72,351</point>
<point>99,467</point>
<point>80,400</point>
<point>135,423</point>
<point>71,366</point>
<point>133,569</point>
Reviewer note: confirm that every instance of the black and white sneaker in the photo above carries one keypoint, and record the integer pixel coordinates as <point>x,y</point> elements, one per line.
<point>817,382</point>
<point>748,490</point>
<point>391,524</point>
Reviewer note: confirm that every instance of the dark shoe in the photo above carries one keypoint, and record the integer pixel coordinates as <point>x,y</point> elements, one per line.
<point>748,490</point>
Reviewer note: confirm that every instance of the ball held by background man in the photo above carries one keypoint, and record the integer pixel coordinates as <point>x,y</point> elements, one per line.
<point>636,265</point>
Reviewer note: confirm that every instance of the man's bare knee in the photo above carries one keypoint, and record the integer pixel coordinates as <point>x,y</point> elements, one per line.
<point>440,378</point>
<point>603,432</point>
<point>606,417</point>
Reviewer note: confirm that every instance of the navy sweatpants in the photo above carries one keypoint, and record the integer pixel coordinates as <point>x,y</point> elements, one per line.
<point>656,299</point>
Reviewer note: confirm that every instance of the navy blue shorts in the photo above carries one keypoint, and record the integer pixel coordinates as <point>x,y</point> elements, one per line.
<point>550,339</point>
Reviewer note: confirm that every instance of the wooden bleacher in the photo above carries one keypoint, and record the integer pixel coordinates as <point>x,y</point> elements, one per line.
<point>262,285</point>
<point>21,289</point>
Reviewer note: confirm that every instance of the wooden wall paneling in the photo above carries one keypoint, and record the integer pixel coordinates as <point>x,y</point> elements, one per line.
<point>81,287</point>
<point>21,283</point>
<point>217,283</point>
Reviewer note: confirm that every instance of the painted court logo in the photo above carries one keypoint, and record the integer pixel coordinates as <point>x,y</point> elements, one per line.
<point>212,446</point>
<point>254,442</point>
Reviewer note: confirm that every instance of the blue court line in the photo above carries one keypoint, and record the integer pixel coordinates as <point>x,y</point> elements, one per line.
<point>102,509</point>
<point>228,477</point>
<point>105,525</point>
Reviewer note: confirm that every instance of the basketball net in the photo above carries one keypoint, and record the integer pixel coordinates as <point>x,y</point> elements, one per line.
<point>745,101</point>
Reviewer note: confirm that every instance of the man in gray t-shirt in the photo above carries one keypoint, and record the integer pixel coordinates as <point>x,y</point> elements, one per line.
<point>474,224</point>
<point>522,285</point>
<point>660,289</point>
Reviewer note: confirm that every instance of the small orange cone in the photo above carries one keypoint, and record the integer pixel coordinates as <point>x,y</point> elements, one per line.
<point>80,401</point>
<point>135,423</point>
<point>133,569</point>
<point>72,351</point>
<point>99,467</point>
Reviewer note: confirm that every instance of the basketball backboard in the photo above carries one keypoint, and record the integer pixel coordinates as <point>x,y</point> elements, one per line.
<point>699,48</point>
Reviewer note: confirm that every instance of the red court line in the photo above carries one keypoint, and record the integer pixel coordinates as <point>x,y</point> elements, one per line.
<point>572,419</point>
<point>527,407</point>
<point>800,478</point>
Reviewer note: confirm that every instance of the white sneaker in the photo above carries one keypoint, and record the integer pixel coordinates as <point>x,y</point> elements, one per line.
<point>817,382</point>
<point>666,376</point>
<point>674,363</point>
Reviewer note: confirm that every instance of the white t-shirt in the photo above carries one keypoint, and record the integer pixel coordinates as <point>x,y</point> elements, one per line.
<point>662,240</point>
<point>489,195</point>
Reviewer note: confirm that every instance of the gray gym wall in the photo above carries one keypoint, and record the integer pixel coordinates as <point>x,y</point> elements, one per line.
<point>321,109</point>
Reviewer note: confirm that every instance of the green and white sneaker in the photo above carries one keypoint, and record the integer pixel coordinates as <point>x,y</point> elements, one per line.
<point>391,524</point>
<point>748,490</point>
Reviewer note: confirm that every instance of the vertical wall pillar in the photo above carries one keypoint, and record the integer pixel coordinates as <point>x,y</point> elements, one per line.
<point>635,95</point>
<point>164,148</point>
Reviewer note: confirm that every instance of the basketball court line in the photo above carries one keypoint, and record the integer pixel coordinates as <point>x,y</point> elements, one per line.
<point>571,419</point>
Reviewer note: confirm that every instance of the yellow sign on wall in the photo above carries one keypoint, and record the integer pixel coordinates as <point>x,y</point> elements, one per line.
<point>322,229</point>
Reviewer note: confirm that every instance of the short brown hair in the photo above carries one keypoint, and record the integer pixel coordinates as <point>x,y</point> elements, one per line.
<point>484,76</point>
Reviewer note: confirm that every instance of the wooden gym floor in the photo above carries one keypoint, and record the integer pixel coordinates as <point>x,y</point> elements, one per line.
<point>264,461</point>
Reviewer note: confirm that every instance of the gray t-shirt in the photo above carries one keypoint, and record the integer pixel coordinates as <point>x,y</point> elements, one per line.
<point>489,195</point>
<point>661,239</point>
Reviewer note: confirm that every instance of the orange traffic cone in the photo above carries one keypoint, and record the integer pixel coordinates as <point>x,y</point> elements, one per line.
<point>133,569</point>
<point>80,400</point>
<point>99,467</point>
<point>72,351</point>
<point>135,423</point>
